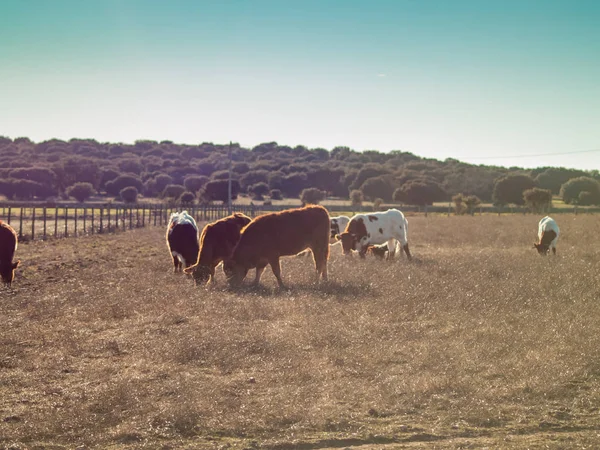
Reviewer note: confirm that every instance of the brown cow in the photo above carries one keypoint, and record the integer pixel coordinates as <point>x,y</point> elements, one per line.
<point>285,233</point>
<point>217,242</point>
<point>8,246</point>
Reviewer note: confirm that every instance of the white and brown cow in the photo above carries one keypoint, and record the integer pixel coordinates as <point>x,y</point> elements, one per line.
<point>337,225</point>
<point>217,241</point>
<point>8,246</point>
<point>377,228</point>
<point>286,233</point>
<point>548,232</point>
<point>182,240</point>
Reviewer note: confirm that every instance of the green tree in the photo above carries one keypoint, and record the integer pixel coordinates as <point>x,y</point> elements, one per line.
<point>218,190</point>
<point>275,194</point>
<point>509,189</point>
<point>81,191</point>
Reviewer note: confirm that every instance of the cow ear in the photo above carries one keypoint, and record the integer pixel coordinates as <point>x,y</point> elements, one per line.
<point>15,265</point>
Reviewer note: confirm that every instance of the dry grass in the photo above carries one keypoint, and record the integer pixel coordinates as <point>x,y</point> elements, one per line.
<point>478,342</point>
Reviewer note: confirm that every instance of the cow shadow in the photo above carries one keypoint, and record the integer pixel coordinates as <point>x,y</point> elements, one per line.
<point>327,289</point>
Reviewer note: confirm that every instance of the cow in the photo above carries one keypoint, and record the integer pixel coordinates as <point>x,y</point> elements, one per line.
<point>271,236</point>
<point>548,232</point>
<point>8,246</point>
<point>337,224</point>
<point>373,229</point>
<point>182,240</point>
<point>217,242</point>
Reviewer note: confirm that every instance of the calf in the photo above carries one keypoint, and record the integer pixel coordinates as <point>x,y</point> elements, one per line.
<point>285,233</point>
<point>182,240</point>
<point>376,228</point>
<point>8,246</point>
<point>217,242</point>
<point>548,232</point>
<point>378,251</point>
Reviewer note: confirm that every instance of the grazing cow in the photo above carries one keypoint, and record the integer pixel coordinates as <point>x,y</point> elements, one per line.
<point>217,241</point>
<point>182,240</point>
<point>378,251</point>
<point>285,233</point>
<point>8,246</point>
<point>338,224</point>
<point>548,232</point>
<point>376,228</point>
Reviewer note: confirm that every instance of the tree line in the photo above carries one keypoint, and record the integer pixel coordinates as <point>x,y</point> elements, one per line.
<point>81,168</point>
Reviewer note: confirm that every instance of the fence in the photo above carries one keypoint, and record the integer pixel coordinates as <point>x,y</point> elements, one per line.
<point>41,222</point>
<point>33,221</point>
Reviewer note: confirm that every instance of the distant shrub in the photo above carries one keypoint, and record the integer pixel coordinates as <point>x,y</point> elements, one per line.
<point>114,187</point>
<point>538,200</point>
<point>81,191</point>
<point>187,198</point>
<point>312,196</point>
<point>275,194</point>
<point>356,197</point>
<point>173,191</point>
<point>571,190</point>
<point>129,194</point>
<point>377,204</point>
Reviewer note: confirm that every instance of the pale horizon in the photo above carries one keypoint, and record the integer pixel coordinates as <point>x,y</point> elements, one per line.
<point>480,82</point>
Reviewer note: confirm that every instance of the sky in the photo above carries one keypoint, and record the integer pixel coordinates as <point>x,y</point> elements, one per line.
<point>486,82</point>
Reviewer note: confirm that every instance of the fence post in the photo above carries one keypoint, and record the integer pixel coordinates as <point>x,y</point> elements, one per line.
<point>108,218</point>
<point>56,222</point>
<point>143,217</point>
<point>101,220</point>
<point>66,221</point>
<point>130,217</point>
<point>84,220</point>
<point>33,224</point>
<point>92,232</point>
<point>44,215</point>
<point>21,223</point>
<point>575,208</point>
<point>8,217</point>
<point>76,231</point>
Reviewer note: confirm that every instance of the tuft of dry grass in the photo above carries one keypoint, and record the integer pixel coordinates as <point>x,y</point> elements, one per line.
<point>477,342</point>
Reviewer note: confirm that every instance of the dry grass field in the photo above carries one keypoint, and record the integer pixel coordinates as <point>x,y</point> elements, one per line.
<point>478,342</point>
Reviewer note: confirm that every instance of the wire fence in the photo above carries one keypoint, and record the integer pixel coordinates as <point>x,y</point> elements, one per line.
<point>33,221</point>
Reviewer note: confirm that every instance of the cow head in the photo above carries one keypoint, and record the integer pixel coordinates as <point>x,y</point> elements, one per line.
<point>542,248</point>
<point>234,272</point>
<point>7,272</point>
<point>200,274</point>
<point>349,242</point>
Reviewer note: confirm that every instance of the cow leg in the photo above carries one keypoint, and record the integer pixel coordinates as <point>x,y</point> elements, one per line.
<point>276,267</point>
<point>259,270</point>
<point>176,264</point>
<point>391,245</point>
<point>211,278</point>
<point>407,251</point>
<point>554,250</point>
<point>320,258</point>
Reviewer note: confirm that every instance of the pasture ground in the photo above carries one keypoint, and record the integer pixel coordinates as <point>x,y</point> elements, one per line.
<point>479,342</point>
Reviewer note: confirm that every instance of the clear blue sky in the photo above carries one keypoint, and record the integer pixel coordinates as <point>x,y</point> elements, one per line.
<point>469,79</point>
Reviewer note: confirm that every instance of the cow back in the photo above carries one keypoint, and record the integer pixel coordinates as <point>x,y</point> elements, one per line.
<point>283,233</point>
